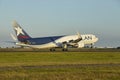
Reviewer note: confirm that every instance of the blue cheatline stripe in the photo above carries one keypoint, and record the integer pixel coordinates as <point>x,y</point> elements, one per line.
<point>43,40</point>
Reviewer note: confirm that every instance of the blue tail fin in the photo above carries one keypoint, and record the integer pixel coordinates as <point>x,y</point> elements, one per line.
<point>20,33</point>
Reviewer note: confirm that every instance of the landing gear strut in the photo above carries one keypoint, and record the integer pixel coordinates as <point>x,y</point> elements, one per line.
<point>92,45</point>
<point>64,47</point>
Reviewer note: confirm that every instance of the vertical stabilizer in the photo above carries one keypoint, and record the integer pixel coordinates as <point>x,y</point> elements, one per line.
<point>20,33</point>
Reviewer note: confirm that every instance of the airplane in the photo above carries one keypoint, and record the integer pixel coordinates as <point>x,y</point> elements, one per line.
<point>51,42</point>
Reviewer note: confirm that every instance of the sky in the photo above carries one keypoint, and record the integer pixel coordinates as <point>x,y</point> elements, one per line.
<point>62,17</point>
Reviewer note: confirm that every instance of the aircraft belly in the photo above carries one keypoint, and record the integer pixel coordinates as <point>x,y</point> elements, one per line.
<point>48,45</point>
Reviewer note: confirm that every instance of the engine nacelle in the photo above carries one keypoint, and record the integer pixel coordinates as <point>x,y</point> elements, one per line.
<point>81,44</point>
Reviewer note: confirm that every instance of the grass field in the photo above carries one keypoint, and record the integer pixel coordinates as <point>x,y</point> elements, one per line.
<point>59,65</point>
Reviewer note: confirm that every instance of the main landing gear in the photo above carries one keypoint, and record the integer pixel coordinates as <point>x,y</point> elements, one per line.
<point>52,49</point>
<point>64,48</point>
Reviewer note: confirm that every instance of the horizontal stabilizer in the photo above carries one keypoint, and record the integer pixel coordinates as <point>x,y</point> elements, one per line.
<point>13,37</point>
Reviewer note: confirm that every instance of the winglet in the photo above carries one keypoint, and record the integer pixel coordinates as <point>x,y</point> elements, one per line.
<point>79,36</point>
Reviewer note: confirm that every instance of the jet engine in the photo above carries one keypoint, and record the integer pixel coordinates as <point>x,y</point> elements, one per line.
<point>80,44</point>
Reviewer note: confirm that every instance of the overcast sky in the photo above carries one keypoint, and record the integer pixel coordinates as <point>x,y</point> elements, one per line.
<point>62,17</point>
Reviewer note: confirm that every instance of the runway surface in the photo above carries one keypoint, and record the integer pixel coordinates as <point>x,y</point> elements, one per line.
<point>60,50</point>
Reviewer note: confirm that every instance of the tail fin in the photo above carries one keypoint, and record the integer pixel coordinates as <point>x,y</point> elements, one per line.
<point>20,33</point>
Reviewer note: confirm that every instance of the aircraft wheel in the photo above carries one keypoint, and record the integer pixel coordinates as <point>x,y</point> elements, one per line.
<point>64,49</point>
<point>92,45</point>
<point>52,49</point>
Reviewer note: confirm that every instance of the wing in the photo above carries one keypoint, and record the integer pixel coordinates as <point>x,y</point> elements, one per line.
<point>72,42</point>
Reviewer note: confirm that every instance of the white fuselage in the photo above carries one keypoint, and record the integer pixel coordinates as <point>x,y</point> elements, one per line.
<point>86,39</point>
